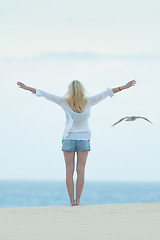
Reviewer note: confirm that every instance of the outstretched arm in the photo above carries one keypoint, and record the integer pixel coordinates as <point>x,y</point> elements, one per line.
<point>100,96</point>
<point>22,85</point>
<point>41,93</point>
<point>128,85</point>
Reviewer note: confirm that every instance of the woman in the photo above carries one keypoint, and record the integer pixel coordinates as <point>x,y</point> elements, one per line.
<point>77,134</point>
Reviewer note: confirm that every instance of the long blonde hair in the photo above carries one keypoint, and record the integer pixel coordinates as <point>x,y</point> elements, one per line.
<point>76,97</point>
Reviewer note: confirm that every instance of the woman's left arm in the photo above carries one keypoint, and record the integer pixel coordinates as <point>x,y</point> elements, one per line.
<point>128,85</point>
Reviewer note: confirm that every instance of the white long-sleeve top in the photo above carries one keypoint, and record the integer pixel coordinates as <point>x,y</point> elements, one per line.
<point>75,122</point>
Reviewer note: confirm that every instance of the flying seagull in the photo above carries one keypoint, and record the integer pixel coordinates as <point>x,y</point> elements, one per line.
<point>132,118</point>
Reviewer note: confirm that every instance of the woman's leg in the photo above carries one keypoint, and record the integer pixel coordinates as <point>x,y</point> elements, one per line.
<point>81,162</point>
<point>70,163</point>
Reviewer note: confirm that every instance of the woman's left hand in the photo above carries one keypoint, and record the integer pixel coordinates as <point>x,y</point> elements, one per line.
<point>130,84</point>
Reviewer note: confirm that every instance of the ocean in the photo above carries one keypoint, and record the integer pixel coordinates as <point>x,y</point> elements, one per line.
<point>54,193</point>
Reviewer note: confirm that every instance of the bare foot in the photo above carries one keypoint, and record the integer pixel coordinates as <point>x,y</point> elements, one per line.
<point>77,203</point>
<point>72,203</point>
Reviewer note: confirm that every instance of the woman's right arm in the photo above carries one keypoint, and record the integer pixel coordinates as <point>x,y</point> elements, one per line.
<point>128,85</point>
<point>22,85</point>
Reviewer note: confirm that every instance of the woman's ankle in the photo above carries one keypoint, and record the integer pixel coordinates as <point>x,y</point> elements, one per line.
<point>72,203</point>
<point>77,201</point>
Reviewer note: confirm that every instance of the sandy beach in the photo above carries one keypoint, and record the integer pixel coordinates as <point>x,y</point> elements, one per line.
<point>109,221</point>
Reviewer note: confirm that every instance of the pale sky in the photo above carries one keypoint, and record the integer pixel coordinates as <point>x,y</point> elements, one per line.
<point>47,44</point>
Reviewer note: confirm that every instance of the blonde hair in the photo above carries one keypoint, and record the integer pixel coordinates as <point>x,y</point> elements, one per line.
<point>76,97</point>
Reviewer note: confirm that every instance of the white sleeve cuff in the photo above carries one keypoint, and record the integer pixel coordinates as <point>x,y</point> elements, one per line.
<point>37,93</point>
<point>110,92</point>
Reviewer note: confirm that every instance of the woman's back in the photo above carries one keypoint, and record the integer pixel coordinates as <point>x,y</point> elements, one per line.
<point>77,112</point>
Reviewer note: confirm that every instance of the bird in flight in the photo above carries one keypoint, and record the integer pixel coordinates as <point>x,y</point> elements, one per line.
<point>132,118</point>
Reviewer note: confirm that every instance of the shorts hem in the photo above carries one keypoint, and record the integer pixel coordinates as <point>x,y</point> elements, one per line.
<point>76,150</point>
<point>72,145</point>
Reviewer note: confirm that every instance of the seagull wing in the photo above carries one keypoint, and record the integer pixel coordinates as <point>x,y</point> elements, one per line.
<point>119,121</point>
<point>145,119</point>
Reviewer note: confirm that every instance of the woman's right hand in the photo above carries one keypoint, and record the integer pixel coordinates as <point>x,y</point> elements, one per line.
<point>130,84</point>
<point>22,85</point>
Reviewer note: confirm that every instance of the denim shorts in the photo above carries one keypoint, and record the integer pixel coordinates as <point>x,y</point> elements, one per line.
<point>75,145</point>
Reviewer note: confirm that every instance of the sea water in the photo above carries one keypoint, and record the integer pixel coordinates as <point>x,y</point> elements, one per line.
<point>54,193</point>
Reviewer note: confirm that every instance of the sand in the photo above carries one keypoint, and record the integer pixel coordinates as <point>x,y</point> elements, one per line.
<point>110,221</point>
